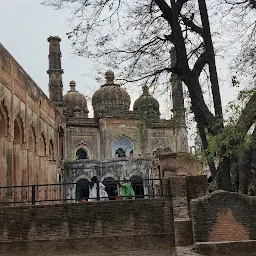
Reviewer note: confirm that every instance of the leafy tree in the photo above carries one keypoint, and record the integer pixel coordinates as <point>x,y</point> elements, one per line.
<point>136,37</point>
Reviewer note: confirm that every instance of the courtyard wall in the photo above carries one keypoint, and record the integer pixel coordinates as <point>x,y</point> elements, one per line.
<point>70,229</point>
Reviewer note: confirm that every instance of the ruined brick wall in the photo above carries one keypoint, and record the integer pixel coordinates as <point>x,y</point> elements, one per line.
<point>224,216</point>
<point>183,189</point>
<point>87,227</point>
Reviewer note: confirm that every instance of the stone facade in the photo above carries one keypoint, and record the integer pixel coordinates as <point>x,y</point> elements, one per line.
<point>31,129</point>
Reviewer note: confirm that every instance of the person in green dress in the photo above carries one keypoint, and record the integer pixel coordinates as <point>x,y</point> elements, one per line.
<point>126,190</point>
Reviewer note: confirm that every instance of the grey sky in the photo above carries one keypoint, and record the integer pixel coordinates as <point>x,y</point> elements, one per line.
<point>25,26</point>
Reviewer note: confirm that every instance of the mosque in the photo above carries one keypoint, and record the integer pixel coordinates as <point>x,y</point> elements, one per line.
<point>46,140</point>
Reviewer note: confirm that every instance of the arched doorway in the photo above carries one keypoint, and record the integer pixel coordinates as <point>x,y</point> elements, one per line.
<point>18,170</point>
<point>81,153</point>
<point>31,163</point>
<point>3,120</point>
<point>110,187</point>
<point>17,156</point>
<point>137,185</point>
<point>18,131</point>
<point>3,132</point>
<point>61,143</point>
<point>82,189</point>
<point>32,139</point>
<point>51,151</point>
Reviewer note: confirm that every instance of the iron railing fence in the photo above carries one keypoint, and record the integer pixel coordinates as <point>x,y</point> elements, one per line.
<point>79,192</point>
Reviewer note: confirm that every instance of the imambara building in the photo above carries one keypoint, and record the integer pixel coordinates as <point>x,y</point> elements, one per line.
<point>52,139</point>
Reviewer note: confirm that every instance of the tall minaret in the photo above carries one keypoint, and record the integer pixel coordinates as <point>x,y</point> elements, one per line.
<point>178,108</point>
<point>55,71</point>
<point>177,92</point>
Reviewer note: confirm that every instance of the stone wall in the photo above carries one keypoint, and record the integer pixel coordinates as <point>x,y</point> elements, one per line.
<point>30,128</point>
<point>117,168</point>
<point>85,136</point>
<point>101,227</point>
<point>221,218</point>
<point>179,164</point>
<point>159,136</point>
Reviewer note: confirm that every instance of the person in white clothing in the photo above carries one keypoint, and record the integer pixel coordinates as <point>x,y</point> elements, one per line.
<point>103,195</point>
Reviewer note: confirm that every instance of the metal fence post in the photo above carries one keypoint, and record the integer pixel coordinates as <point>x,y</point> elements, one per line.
<point>33,194</point>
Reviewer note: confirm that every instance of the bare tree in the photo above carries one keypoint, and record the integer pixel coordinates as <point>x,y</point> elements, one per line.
<point>136,37</point>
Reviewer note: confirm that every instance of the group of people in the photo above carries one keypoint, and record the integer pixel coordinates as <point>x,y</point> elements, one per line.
<point>97,190</point>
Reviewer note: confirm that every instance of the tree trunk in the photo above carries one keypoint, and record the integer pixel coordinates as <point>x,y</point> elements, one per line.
<point>247,168</point>
<point>211,62</point>
<point>223,178</point>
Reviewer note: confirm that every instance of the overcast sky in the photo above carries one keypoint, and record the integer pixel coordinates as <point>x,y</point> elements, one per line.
<point>25,26</point>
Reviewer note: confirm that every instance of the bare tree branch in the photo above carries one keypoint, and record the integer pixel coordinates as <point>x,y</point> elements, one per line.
<point>188,22</point>
<point>199,65</point>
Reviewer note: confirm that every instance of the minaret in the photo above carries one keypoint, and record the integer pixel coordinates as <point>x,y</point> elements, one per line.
<point>177,92</point>
<point>55,71</point>
<point>178,107</point>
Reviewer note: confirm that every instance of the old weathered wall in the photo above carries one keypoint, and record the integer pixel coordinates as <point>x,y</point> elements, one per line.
<point>116,226</point>
<point>220,219</point>
<point>179,164</point>
<point>84,136</point>
<point>117,168</point>
<point>183,189</point>
<point>29,124</point>
<point>158,136</point>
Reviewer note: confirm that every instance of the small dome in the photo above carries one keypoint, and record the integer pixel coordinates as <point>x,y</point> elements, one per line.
<point>74,101</point>
<point>146,103</point>
<point>110,96</point>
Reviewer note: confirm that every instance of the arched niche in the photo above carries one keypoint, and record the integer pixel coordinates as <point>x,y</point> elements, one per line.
<point>31,139</point>
<point>138,186</point>
<point>42,145</point>
<point>18,131</point>
<point>3,120</point>
<point>51,150</point>
<point>81,153</point>
<point>82,189</point>
<point>123,147</point>
<point>110,187</point>
<point>61,142</point>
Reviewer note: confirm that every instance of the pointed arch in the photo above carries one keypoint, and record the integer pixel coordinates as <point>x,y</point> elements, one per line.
<point>51,150</point>
<point>61,143</point>
<point>18,131</point>
<point>4,120</point>
<point>122,147</point>
<point>42,145</point>
<point>81,153</point>
<point>82,189</point>
<point>31,139</point>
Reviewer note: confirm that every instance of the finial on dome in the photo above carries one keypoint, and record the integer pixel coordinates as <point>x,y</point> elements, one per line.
<point>109,75</point>
<point>72,85</point>
<point>145,90</point>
